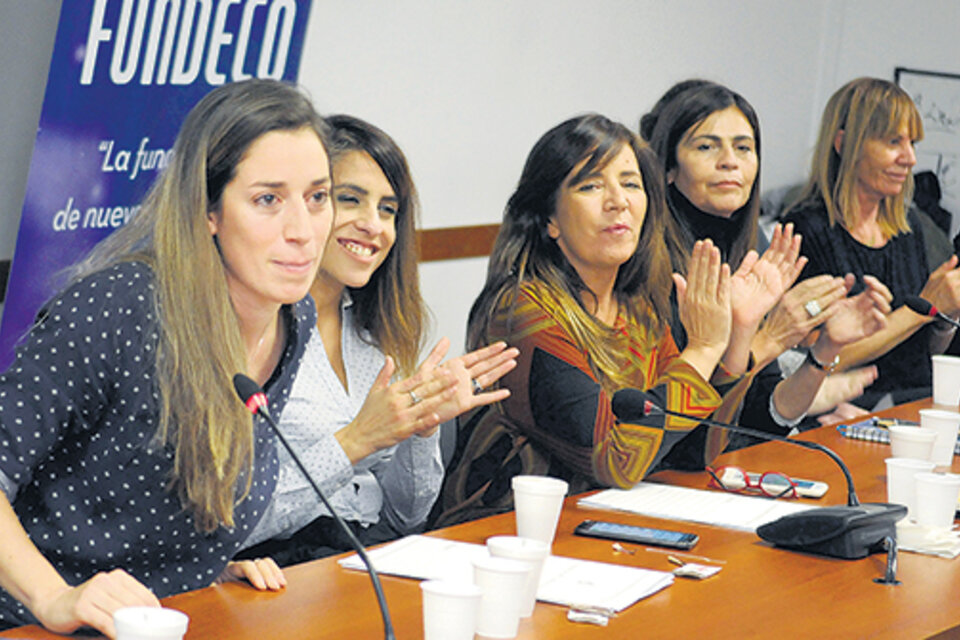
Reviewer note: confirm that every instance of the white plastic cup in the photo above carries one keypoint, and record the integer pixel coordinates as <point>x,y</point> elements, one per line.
<point>946,424</point>
<point>946,380</point>
<point>150,623</point>
<point>912,442</point>
<point>538,501</point>
<point>532,553</point>
<point>901,481</point>
<point>450,609</point>
<point>937,495</point>
<point>501,583</point>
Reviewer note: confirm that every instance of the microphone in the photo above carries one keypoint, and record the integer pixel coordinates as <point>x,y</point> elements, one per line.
<point>926,308</point>
<point>852,531</point>
<point>256,401</point>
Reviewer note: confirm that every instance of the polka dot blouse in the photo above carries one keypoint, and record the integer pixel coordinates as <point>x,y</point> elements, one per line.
<point>77,410</point>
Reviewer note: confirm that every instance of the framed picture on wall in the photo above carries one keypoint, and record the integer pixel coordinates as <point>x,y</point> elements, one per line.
<point>937,96</point>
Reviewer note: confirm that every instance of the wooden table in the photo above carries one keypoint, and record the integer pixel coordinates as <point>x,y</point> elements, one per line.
<point>761,591</point>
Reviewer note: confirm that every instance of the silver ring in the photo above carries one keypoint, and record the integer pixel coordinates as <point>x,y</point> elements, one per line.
<point>813,308</point>
<point>477,388</point>
<point>414,397</point>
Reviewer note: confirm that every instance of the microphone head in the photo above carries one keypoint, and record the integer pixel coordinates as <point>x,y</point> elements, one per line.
<point>921,306</point>
<point>250,393</point>
<point>629,405</point>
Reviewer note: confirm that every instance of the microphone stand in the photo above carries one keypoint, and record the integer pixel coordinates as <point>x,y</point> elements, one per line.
<point>253,397</point>
<point>852,500</point>
<point>852,531</point>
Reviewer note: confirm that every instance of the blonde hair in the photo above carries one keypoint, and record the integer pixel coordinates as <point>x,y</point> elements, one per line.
<point>863,109</point>
<point>200,346</point>
<point>525,255</point>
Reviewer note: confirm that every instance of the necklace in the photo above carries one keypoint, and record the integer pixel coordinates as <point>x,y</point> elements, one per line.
<point>263,336</point>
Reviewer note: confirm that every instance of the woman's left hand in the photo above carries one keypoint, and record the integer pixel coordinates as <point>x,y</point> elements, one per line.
<point>844,412</point>
<point>859,316</point>
<point>262,573</point>
<point>474,372</point>
<point>759,282</point>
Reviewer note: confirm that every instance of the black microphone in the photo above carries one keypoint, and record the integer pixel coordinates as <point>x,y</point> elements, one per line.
<point>853,531</point>
<point>256,401</point>
<point>926,308</point>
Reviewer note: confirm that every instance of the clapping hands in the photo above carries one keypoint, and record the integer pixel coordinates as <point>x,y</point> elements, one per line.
<point>417,405</point>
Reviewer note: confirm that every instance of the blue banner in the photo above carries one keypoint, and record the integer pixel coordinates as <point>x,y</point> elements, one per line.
<point>124,74</point>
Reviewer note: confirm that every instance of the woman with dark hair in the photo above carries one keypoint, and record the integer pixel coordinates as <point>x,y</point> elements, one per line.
<point>707,138</point>
<point>372,443</point>
<point>129,468</point>
<point>579,280</point>
<point>854,219</point>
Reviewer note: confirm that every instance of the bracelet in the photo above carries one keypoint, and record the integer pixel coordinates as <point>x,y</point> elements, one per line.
<point>826,368</point>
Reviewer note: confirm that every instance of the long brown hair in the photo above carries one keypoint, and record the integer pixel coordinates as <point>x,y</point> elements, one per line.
<point>525,253</point>
<point>200,416</point>
<point>863,109</point>
<point>389,307</point>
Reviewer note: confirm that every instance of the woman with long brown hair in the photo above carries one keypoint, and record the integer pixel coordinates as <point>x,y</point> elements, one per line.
<point>707,138</point>
<point>579,280</point>
<point>129,469</point>
<point>372,441</point>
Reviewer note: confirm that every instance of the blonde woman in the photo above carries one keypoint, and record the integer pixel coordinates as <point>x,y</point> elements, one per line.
<point>129,469</point>
<point>854,219</point>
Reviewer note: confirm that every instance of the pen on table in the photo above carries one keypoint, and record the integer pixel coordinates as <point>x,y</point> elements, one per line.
<point>676,556</point>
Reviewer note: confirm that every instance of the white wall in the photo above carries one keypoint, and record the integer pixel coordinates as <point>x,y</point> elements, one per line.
<point>466,88</point>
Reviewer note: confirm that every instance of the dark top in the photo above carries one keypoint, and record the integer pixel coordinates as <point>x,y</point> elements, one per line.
<point>901,264</point>
<point>559,420</point>
<point>77,409</point>
<point>698,225</point>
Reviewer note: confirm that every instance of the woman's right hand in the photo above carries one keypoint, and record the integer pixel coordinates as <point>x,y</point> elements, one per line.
<point>92,603</point>
<point>704,298</point>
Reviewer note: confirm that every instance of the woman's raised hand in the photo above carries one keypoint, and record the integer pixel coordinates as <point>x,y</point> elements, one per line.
<point>703,298</point>
<point>860,316</point>
<point>474,372</point>
<point>791,320</point>
<point>943,287</point>
<point>92,603</point>
<point>418,404</point>
<point>760,282</point>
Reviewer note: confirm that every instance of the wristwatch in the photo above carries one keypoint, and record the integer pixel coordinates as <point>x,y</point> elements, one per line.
<point>828,368</point>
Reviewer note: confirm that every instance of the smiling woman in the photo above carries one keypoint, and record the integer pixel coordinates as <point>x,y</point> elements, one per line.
<point>854,218</point>
<point>372,441</point>
<point>578,278</point>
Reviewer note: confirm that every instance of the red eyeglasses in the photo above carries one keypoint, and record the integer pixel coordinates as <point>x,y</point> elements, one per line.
<point>772,484</point>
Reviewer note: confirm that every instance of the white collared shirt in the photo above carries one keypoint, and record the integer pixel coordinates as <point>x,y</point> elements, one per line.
<point>401,482</point>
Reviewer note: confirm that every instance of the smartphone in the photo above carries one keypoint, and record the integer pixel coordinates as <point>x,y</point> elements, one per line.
<point>637,535</point>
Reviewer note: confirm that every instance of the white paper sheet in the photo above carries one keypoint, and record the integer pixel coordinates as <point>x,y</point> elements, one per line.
<point>717,508</point>
<point>564,581</point>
